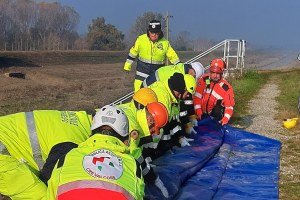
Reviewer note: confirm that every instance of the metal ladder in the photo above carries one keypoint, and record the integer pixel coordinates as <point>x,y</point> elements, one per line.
<point>232,49</point>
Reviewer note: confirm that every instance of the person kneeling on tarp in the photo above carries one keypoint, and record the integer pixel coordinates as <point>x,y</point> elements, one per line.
<point>101,167</point>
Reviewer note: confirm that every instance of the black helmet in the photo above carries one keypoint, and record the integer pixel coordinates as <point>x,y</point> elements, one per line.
<point>154,26</point>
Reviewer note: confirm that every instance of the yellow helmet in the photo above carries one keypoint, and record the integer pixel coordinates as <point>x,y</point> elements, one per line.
<point>190,83</point>
<point>290,123</point>
<point>145,96</point>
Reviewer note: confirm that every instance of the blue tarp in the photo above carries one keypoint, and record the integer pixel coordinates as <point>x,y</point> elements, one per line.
<point>222,163</point>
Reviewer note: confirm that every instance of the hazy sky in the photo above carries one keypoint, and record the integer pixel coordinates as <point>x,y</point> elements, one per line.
<point>263,23</point>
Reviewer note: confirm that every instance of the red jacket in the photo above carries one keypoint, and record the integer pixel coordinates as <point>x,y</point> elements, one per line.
<point>208,93</point>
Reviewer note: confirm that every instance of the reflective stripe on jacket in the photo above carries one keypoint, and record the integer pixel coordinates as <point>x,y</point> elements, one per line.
<point>29,135</point>
<point>208,94</point>
<point>164,73</point>
<point>100,164</point>
<point>151,52</point>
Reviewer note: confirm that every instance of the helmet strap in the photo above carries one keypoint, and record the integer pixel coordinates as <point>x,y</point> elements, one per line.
<point>138,105</point>
<point>110,132</point>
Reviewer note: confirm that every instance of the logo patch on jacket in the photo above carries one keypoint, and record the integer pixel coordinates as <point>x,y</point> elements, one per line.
<point>160,46</point>
<point>103,163</point>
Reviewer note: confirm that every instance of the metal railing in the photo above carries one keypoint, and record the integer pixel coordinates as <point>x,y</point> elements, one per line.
<point>232,50</point>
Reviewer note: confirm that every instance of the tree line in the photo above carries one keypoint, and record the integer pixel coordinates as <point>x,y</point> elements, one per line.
<point>29,26</point>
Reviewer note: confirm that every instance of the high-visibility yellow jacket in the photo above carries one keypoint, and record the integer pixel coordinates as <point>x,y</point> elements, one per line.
<point>130,111</point>
<point>138,122</point>
<point>136,118</point>
<point>31,135</point>
<point>164,73</point>
<point>151,52</point>
<point>166,97</point>
<point>18,182</point>
<point>100,168</point>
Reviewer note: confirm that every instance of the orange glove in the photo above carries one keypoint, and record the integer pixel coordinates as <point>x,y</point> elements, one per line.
<point>198,112</point>
<point>223,121</point>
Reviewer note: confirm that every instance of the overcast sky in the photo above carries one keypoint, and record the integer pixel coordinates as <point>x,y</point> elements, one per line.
<point>263,23</point>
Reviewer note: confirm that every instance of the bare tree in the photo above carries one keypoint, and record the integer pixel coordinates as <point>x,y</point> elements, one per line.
<point>183,41</point>
<point>24,17</point>
<point>28,25</point>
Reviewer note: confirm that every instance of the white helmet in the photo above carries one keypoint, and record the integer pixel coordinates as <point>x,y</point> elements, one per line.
<point>113,117</point>
<point>199,69</point>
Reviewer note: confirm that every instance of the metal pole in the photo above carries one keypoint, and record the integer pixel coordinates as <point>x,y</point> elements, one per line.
<point>167,22</point>
<point>167,18</point>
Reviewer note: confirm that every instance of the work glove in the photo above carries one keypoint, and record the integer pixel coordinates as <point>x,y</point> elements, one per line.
<point>193,120</point>
<point>198,113</point>
<point>156,137</point>
<point>189,129</point>
<point>183,141</point>
<point>223,121</point>
<point>160,185</point>
<point>127,67</point>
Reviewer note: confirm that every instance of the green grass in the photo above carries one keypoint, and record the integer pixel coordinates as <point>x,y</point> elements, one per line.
<point>289,85</point>
<point>292,191</point>
<point>252,81</point>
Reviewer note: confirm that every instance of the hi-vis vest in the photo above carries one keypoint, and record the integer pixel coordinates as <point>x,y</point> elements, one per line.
<point>31,135</point>
<point>164,73</point>
<point>138,122</point>
<point>18,182</point>
<point>166,97</point>
<point>130,111</point>
<point>99,168</point>
<point>151,52</point>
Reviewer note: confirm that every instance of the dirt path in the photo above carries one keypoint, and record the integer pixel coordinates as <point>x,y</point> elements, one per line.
<point>261,116</point>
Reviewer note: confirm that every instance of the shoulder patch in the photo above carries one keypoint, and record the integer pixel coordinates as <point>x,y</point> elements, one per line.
<point>160,46</point>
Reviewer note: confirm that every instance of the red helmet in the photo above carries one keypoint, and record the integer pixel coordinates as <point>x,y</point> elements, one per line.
<point>159,113</point>
<point>217,66</point>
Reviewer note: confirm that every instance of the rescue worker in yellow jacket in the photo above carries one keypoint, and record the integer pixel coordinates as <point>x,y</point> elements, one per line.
<point>169,92</point>
<point>195,69</point>
<point>150,50</point>
<point>101,167</point>
<point>29,136</point>
<point>187,113</point>
<point>146,122</point>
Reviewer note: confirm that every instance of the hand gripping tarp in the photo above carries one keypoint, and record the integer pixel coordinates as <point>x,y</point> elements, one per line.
<point>222,163</point>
